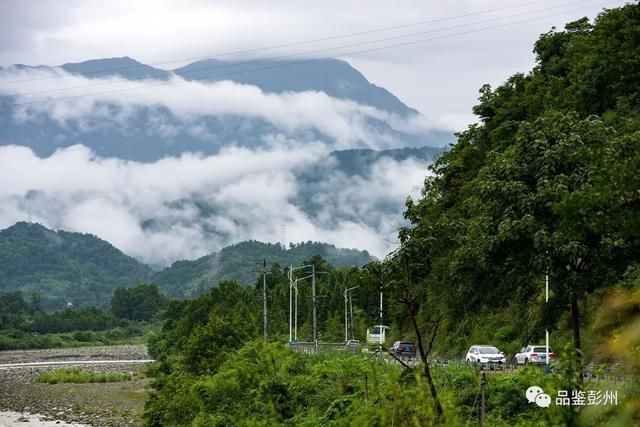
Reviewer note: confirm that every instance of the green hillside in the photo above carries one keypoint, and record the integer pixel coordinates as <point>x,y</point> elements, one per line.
<point>242,262</point>
<point>64,267</point>
<point>82,269</point>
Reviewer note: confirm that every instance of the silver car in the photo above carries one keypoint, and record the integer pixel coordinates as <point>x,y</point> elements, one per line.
<point>533,354</point>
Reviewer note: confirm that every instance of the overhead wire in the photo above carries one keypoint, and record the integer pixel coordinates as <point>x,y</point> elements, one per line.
<point>290,44</point>
<point>289,56</point>
<point>285,64</point>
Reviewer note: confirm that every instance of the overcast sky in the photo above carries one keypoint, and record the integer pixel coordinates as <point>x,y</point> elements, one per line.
<point>439,77</point>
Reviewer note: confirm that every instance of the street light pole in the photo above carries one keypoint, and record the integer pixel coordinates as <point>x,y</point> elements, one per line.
<point>290,300</point>
<point>351,311</point>
<point>381,304</point>
<point>295,326</point>
<point>347,300</point>
<point>346,331</point>
<point>264,298</point>
<point>380,328</point>
<point>294,285</point>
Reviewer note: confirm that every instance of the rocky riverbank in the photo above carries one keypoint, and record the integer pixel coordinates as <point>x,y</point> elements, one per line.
<point>95,404</point>
<point>10,418</point>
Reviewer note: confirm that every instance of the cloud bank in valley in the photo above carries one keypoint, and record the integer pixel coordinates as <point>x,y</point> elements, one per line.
<point>187,206</point>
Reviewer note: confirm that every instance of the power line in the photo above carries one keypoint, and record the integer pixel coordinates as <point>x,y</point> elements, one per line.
<point>281,65</point>
<point>303,42</point>
<point>302,54</point>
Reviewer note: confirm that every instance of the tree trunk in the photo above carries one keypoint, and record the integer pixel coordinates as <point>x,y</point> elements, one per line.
<point>575,318</point>
<point>424,357</point>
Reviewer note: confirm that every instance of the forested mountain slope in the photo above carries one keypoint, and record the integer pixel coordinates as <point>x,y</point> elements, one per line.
<point>64,267</point>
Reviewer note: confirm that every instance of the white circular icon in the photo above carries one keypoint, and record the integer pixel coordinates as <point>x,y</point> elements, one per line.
<point>543,400</point>
<point>532,392</point>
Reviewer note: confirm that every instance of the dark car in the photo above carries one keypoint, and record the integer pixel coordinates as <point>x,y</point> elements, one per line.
<point>403,349</point>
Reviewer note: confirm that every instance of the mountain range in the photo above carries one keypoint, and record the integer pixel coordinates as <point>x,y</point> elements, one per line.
<point>82,269</point>
<point>122,121</point>
<point>175,164</point>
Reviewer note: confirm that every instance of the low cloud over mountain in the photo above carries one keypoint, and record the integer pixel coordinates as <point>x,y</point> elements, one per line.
<point>136,112</point>
<point>167,166</point>
<point>188,206</point>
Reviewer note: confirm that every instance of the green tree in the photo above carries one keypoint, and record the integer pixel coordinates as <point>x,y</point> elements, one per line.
<point>141,302</point>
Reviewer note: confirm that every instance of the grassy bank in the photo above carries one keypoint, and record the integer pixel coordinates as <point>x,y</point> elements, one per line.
<point>78,376</point>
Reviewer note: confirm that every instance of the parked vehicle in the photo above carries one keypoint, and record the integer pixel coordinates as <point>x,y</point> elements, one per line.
<point>377,334</point>
<point>353,345</point>
<point>485,354</point>
<point>533,354</point>
<point>403,349</point>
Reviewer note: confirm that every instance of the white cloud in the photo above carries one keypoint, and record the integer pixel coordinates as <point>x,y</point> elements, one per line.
<point>89,102</point>
<point>154,211</point>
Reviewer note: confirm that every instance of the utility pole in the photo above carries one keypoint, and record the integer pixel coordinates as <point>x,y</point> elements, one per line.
<point>382,331</point>
<point>380,304</point>
<point>351,311</point>
<point>546,331</point>
<point>264,298</point>
<point>346,331</point>
<point>314,299</point>
<point>290,299</point>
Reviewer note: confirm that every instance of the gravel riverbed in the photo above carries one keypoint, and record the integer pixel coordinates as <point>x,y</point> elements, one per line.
<point>94,404</point>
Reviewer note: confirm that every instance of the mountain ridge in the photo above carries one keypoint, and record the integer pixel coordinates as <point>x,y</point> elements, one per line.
<point>83,269</point>
<point>150,130</point>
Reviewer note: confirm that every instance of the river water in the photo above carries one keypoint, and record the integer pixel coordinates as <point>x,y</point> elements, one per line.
<point>11,419</point>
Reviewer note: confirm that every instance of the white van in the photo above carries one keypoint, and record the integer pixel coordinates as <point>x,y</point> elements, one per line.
<point>377,334</point>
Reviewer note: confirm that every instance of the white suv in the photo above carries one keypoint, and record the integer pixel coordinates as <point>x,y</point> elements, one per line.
<point>533,354</point>
<point>485,354</point>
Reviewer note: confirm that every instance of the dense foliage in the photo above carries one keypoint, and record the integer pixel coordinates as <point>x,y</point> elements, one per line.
<point>241,261</point>
<point>141,302</point>
<point>546,183</point>
<point>24,324</point>
<point>64,267</point>
<point>81,269</point>
<point>267,384</point>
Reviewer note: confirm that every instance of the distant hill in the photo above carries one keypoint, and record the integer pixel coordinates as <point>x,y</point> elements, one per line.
<point>359,161</point>
<point>124,67</point>
<point>334,77</point>
<point>64,267</point>
<point>241,261</point>
<point>84,270</point>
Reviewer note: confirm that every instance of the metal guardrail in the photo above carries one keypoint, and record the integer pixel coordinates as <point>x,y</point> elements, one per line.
<point>309,347</point>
